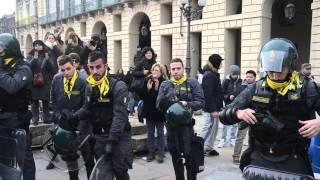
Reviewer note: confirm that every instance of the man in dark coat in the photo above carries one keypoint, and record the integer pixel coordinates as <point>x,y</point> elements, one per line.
<point>68,96</point>
<point>231,87</point>
<point>212,90</point>
<point>15,85</point>
<point>106,110</point>
<point>189,93</point>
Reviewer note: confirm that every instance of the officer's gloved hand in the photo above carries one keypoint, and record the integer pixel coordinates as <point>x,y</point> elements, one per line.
<point>164,104</point>
<point>109,148</point>
<point>68,120</point>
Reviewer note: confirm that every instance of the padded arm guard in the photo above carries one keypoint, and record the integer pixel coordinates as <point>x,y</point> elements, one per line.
<point>228,116</point>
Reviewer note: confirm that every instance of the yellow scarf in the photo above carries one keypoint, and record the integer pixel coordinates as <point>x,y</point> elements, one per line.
<point>282,88</point>
<point>180,81</point>
<point>103,84</point>
<point>72,81</point>
<point>8,60</point>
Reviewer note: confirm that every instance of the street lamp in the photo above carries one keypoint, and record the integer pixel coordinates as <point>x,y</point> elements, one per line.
<point>190,13</point>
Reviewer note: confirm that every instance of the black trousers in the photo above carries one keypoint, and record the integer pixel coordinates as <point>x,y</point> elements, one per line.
<point>99,149</point>
<point>179,141</point>
<point>88,157</point>
<point>29,169</point>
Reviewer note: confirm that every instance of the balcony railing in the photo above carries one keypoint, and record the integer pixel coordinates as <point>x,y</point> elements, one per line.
<point>75,10</point>
<point>28,21</point>
<point>92,5</point>
<point>64,14</point>
<point>52,17</point>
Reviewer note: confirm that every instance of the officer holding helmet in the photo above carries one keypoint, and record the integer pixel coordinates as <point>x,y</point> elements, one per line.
<point>15,94</point>
<point>177,99</point>
<point>278,109</point>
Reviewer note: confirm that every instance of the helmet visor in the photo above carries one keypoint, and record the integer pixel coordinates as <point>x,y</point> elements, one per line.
<point>2,47</point>
<point>272,61</point>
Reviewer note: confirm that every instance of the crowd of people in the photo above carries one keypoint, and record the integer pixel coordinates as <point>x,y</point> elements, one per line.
<point>73,80</point>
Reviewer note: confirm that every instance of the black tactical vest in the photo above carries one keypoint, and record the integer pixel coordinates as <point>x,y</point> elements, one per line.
<point>19,101</point>
<point>183,92</point>
<point>287,110</point>
<point>102,108</point>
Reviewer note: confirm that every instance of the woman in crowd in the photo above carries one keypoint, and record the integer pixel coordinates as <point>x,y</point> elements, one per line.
<point>155,119</point>
<point>41,65</point>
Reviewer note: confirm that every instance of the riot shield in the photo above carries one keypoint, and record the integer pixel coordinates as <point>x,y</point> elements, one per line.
<point>63,151</point>
<point>260,173</point>
<point>12,142</point>
<point>103,169</point>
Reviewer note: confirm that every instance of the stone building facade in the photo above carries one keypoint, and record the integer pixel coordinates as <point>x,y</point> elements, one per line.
<point>236,29</point>
<point>8,24</point>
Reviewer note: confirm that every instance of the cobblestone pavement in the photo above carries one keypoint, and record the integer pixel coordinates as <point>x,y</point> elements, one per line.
<point>220,167</point>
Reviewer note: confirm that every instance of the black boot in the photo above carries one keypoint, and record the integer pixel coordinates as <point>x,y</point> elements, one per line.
<point>150,156</point>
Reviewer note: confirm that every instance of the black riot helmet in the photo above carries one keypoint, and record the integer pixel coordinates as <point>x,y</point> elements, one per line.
<point>278,54</point>
<point>10,45</point>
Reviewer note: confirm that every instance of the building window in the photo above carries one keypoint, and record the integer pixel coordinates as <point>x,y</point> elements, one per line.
<point>166,14</point>
<point>233,7</point>
<point>117,23</point>
<point>21,40</point>
<point>83,29</point>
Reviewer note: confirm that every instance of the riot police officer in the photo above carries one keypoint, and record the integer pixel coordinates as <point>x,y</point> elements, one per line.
<point>187,93</point>
<point>67,96</point>
<point>106,110</point>
<point>277,108</point>
<point>15,84</point>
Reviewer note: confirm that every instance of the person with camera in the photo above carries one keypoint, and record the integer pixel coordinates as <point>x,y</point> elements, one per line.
<point>106,111</point>
<point>95,44</point>
<point>278,110</point>
<point>183,95</point>
<point>73,44</point>
<point>15,89</point>
<point>154,118</point>
<point>42,68</point>
<point>68,96</point>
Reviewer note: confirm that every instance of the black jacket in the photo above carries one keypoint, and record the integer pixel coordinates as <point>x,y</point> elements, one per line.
<point>15,85</point>
<point>149,102</point>
<point>143,65</point>
<point>230,87</point>
<point>86,51</point>
<point>212,90</point>
<point>60,100</point>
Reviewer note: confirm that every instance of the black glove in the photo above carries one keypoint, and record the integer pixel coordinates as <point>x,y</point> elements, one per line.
<point>109,148</point>
<point>68,120</point>
<point>164,104</point>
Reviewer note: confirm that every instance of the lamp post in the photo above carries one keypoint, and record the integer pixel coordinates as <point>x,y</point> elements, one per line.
<point>190,13</point>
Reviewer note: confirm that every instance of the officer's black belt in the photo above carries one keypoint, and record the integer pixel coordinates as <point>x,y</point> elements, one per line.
<point>278,149</point>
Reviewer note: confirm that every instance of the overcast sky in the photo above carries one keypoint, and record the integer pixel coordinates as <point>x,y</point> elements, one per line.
<point>7,7</point>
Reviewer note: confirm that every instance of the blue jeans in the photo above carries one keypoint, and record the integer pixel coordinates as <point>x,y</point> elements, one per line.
<point>209,131</point>
<point>131,102</point>
<point>151,126</point>
<point>233,131</point>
